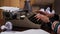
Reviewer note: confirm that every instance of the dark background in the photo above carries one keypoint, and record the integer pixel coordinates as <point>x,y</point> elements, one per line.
<point>57,6</point>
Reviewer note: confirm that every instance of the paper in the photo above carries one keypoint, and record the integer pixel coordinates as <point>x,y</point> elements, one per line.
<point>10,8</point>
<point>42,9</point>
<point>31,31</point>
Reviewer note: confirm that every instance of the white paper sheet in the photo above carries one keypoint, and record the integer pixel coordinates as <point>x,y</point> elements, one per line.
<point>9,8</point>
<point>31,31</point>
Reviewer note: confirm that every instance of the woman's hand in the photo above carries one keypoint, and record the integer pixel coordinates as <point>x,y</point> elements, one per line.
<point>53,25</point>
<point>42,17</point>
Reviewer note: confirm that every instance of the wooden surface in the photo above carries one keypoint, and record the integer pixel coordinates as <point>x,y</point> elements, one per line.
<point>1,14</point>
<point>2,22</point>
<point>20,3</point>
<point>13,3</point>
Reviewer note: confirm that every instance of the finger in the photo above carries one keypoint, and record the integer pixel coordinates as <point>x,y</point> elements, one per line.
<point>37,19</point>
<point>35,16</point>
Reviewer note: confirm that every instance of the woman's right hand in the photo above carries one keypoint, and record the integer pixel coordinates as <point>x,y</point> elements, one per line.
<point>42,17</point>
